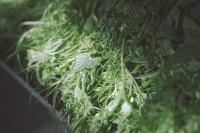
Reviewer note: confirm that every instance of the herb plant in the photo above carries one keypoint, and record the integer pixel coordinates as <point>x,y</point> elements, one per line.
<point>116,65</point>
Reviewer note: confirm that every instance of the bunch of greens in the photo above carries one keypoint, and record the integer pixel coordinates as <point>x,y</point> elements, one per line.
<point>111,64</point>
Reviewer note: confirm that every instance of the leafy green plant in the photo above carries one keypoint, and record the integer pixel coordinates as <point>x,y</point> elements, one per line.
<point>116,68</point>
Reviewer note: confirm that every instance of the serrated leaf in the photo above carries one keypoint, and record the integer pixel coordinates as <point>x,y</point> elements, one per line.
<point>36,56</point>
<point>84,60</point>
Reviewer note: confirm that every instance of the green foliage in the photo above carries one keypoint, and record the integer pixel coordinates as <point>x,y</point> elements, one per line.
<point>118,66</point>
<point>12,14</point>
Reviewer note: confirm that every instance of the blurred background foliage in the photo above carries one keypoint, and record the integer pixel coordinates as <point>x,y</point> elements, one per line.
<point>12,14</point>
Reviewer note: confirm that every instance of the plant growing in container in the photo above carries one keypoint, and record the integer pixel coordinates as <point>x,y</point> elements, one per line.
<point>115,66</point>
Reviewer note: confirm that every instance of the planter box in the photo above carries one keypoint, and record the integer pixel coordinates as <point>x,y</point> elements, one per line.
<point>22,110</point>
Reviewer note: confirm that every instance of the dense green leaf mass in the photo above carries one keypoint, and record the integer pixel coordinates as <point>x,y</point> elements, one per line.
<point>124,66</point>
